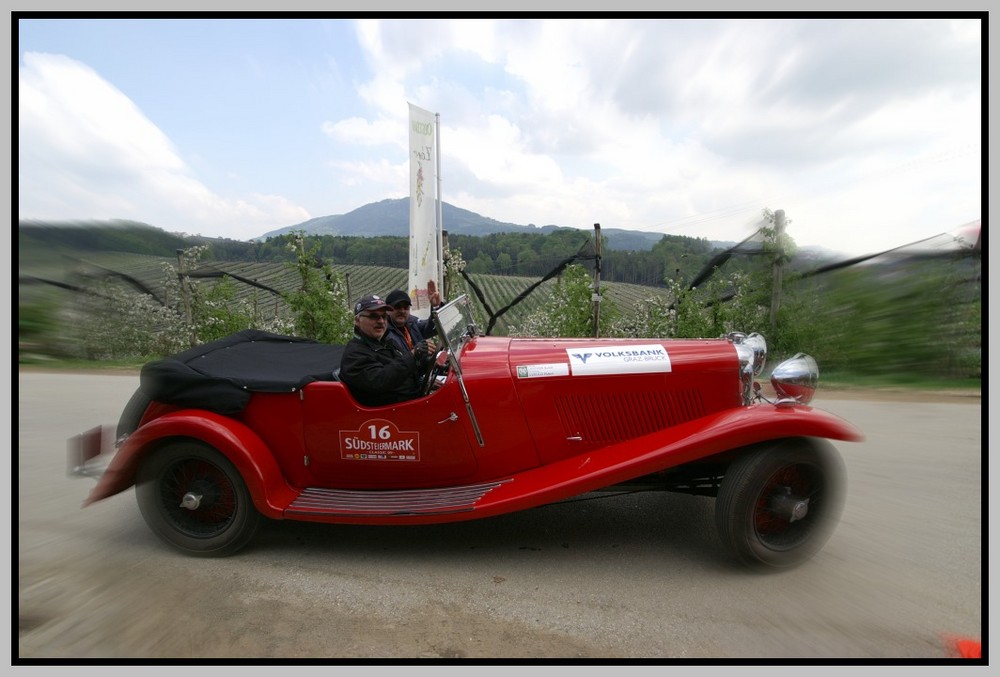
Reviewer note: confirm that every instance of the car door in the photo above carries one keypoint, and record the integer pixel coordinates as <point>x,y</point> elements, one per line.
<point>420,443</point>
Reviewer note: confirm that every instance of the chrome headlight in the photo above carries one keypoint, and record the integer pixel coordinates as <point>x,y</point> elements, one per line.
<point>795,379</point>
<point>751,349</point>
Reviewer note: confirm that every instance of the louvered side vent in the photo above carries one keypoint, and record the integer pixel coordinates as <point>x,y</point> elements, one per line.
<point>353,502</point>
<point>607,418</point>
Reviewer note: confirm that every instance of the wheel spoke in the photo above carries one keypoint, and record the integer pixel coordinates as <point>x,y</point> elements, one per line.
<point>778,503</point>
<point>193,498</point>
<point>218,503</point>
<point>774,528</point>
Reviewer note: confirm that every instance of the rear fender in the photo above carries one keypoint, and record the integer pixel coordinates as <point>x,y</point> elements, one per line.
<point>254,461</point>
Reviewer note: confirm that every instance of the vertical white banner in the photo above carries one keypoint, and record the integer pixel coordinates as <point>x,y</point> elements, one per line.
<point>423,213</point>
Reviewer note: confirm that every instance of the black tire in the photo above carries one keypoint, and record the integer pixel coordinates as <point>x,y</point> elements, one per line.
<point>128,422</point>
<point>224,519</point>
<point>753,510</point>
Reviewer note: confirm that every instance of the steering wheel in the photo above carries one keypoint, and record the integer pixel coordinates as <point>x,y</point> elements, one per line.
<point>439,367</point>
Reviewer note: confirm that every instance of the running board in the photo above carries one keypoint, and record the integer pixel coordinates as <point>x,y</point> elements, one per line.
<point>360,502</point>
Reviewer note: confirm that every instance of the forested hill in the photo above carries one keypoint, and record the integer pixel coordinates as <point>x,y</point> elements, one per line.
<point>527,253</point>
<point>392,217</point>
<point>37,238</point>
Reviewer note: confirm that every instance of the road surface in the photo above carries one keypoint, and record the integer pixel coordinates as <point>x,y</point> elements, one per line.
<point>631,577</point>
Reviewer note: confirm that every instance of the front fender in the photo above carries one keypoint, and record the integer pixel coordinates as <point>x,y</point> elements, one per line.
<point>762,422</point>
<point>723,431</point>
<point>254,461</point>
<point>668,448</point>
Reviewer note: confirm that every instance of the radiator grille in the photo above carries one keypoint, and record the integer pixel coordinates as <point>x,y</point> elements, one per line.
<point>606,418</point>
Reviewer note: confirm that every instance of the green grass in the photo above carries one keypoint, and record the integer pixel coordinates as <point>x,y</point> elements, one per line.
<point>827,380</point>
<point>63,364</point>
<point>897,381</point>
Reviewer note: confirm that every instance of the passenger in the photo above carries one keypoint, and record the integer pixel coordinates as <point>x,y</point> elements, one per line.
<point>373,367</point>
<point>405,329</point>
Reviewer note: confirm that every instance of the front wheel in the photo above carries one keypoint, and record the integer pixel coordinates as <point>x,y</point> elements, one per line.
<point>779,501</point>
<point>195,500</point>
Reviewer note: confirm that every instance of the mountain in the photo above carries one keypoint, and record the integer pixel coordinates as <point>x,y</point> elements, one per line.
<point>392,217</point>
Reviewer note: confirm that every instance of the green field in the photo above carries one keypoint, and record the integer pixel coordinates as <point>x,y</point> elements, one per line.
<point>265,282</point>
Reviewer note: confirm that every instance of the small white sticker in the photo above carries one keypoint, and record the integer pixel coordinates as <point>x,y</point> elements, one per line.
<point>542,370</point>
<point>594,360</point>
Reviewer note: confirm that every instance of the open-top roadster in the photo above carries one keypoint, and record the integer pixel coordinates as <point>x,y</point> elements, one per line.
<point>258,426</point>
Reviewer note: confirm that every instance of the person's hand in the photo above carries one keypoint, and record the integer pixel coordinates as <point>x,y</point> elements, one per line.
<point>433,294</point>
<point>422,351</point>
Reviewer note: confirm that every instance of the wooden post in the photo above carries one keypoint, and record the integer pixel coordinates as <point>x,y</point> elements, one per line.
<point>445,277</point>
<point>779,231</point>
<point>185,296</point>
<point>596,298</point>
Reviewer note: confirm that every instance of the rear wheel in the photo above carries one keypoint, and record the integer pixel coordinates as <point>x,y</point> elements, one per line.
<point>195,500</point>
<point>778,502</point>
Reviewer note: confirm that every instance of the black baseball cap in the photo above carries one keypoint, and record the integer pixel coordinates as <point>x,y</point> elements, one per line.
<point>398,296</point>
<point>370,302</point>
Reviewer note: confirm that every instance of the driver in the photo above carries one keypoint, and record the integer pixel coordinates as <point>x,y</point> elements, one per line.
<point>373,367</point>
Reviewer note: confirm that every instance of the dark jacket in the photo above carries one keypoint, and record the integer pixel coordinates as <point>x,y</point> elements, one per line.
<point>378,372</point>
<point>419,331</point>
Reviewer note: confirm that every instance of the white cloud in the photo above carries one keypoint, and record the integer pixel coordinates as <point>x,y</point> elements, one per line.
<point>377,177</point>
<point>367,132</point>
<point>87,152</point>
<point>865,132</point>
<point>794,115</point>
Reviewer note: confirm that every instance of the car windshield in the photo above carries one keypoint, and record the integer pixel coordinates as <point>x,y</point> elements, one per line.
<point>456,324</point>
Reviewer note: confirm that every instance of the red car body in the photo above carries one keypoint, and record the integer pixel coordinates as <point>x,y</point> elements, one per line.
<point>509,424</point>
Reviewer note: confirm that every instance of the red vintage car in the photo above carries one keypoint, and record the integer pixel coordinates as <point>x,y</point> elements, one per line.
<point>258,426</point>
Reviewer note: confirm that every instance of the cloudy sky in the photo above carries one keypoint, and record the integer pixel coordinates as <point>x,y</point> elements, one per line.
<point>867,132</point>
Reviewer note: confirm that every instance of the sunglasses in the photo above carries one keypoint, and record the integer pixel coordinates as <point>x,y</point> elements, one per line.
<point>374,317</point>
<point>401,306</point>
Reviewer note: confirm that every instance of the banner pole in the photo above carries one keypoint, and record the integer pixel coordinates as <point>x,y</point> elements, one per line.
<point>439,220</point>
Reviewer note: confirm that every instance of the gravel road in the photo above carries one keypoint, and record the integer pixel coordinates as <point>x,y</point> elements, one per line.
<point>631,577</point>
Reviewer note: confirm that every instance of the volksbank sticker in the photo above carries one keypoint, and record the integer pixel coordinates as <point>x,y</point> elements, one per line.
<point>542,370</point>
<point>618,359</point>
